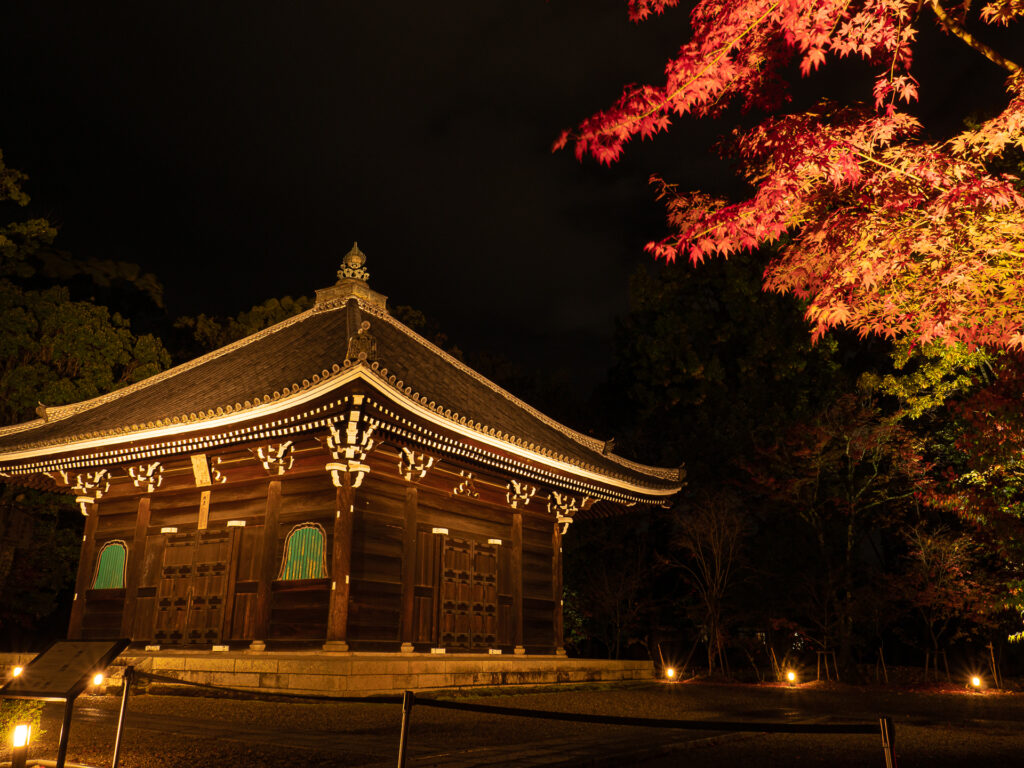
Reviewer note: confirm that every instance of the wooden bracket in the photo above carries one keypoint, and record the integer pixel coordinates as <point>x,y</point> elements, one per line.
<point>519,493</point>
<point>467,487</point>
<point>349,442</point>
<point>276,459</point>
<point>148,476</point>
<point>414,465</point>
<point>89,487</point>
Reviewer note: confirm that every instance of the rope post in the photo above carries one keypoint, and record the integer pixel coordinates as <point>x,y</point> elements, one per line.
<point>127,678</point>
<point>408,697</point>
<point>888,741</point>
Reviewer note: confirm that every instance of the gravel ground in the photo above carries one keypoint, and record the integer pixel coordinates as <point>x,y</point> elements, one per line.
<point>933,728</point>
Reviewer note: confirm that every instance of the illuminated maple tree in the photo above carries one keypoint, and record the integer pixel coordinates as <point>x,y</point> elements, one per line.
<point>879,229</point>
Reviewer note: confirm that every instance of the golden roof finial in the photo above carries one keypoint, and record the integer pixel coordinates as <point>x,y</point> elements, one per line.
<point>352,265</point>
<point>351,283</point>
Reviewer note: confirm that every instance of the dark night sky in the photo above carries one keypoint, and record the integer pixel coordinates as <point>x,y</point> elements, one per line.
<point>237,150</point>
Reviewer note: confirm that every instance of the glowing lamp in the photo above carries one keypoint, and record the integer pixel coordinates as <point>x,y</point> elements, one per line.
<point>19,740</point>
<point>976,681</point>
<point>670,673</point>
<point>22,732</point>
<point>791,676</point>
<point>97,679</point>
<point>17,671</point>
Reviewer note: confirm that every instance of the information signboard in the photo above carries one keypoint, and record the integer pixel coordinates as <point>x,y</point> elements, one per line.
<point>63,670</point>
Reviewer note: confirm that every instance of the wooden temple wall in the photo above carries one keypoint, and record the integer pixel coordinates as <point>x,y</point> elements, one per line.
<point>427,567</point>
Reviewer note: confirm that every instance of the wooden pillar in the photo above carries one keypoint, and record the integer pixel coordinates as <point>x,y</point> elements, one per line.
<point>85,567</point>
<point>133,573</point>
<point>517,580</point>
<point>409,566</point>
<point>267,566</point>
<point>341,566</point>
<point>556,588</point>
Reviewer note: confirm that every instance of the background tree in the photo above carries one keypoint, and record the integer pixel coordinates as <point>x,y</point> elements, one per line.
<point>53,350</point>
<point>945,583</point>
<point>706,549</point>
<point>848,476</point>
<point>612,570</point>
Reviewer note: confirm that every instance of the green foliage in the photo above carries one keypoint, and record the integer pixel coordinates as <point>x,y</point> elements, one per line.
<point>425,327</point>
<point>574,631</point>
<point>15,712</point>
<point>53,350</point>
<point>704,359</point>
<point>926,377</point>
<point>209,332</point>
<point>40,539</point>
<point>56,351</point>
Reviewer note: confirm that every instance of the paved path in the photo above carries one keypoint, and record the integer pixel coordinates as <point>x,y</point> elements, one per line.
<point>947,729</point>
<point>377,750</point>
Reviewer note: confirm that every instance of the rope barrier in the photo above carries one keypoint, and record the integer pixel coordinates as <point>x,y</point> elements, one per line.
<point>408,699</point>
<point>542,714</point>
<point>649,722</point>
<point>269,695</point>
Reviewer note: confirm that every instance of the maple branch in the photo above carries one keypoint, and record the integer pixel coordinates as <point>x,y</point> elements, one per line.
<point>720,53</point>
<point>895,168</point>
<point>990,53</point>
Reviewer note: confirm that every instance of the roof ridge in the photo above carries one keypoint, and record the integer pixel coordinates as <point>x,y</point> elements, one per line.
<point>663,473</point>
<point>59,412</point>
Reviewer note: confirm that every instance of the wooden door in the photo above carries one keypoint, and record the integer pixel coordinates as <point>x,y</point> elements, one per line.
<point>174,589</point>
<point>192,587</point>
<point>468,610</point>
<point>211,556</point>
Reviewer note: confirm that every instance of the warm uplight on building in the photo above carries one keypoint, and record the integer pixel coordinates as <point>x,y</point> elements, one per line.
<point>97,679</point>
<point>21,735</point>
<point>17,671</point>
<point>670,673</point>
<point>976,681</point>
<point>791,676</point>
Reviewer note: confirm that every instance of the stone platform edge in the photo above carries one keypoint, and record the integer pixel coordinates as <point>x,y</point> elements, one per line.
<point>366,674</point>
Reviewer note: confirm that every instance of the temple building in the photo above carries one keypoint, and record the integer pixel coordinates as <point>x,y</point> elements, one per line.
<point>334,482</point>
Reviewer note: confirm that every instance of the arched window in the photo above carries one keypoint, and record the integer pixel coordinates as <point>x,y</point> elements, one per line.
<point>110,565</point>
<point>304,553</point>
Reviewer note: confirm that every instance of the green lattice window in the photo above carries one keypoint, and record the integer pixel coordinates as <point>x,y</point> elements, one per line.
<point>110,566</point>
<point>304,553</point>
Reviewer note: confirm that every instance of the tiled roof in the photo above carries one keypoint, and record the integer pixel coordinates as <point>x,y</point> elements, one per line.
<point>309,348</point>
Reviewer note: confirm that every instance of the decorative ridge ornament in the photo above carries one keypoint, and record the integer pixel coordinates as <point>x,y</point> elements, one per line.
<point>362,346</point>
<point>352,277</point>
<point>353,265</point>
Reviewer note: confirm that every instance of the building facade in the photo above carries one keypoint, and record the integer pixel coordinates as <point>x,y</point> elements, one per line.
<point>334,481</point>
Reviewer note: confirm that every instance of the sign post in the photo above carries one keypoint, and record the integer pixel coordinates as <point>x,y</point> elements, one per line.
<point>61,673</point>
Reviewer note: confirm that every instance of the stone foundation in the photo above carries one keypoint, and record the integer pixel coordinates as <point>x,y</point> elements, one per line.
<point>364,674</point>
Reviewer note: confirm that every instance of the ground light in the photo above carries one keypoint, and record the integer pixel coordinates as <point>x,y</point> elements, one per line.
<point>670,673</point>
<point>791,677</point>
<point>22,732</point>
<point>975,681</point>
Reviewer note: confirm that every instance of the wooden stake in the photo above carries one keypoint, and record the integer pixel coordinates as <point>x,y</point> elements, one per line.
<point>995,670</point>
